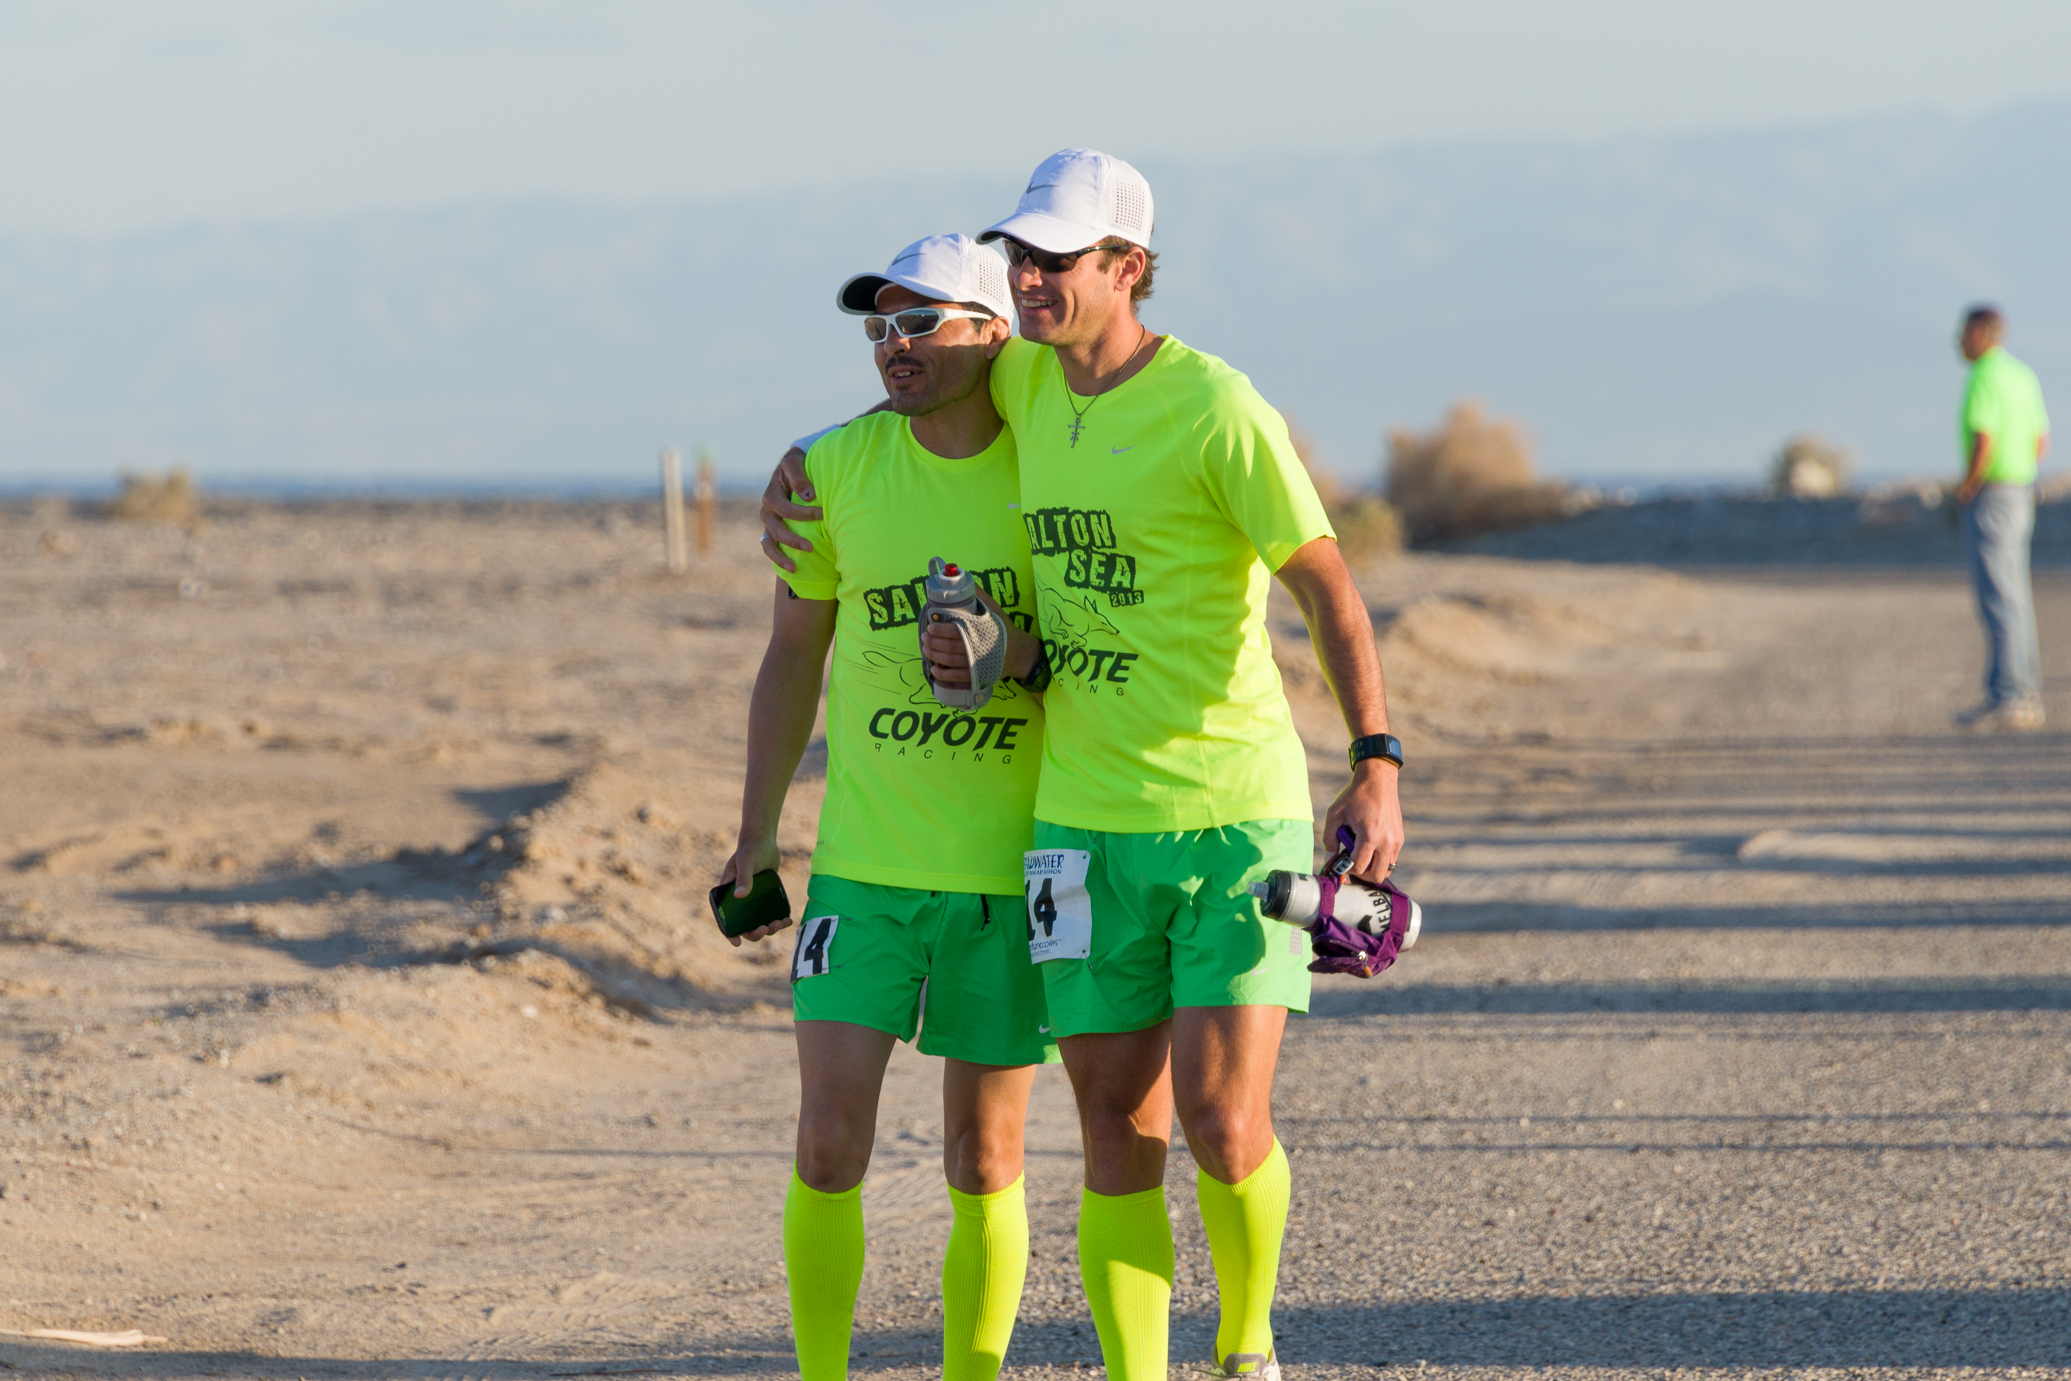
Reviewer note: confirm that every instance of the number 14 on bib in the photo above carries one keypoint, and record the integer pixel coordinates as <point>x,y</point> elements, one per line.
<point>1060,913</point>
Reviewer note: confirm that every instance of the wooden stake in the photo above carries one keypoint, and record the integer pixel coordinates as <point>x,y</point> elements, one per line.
<point>708,498</point>
<point>673,548</point>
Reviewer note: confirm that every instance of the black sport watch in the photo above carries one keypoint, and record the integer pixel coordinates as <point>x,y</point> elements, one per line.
<point>1038,679</point>
<point>1386,747</point>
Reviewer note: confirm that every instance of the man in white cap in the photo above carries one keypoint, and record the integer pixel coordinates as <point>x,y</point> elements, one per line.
<point>914,912</point>
<point>1161,495</point>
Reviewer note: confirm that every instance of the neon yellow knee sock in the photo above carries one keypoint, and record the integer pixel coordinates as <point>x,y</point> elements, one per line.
<point>823,1257</point>
<point>1245,1222</point>
<point>982,1275</point>
<point>1125,1260</point>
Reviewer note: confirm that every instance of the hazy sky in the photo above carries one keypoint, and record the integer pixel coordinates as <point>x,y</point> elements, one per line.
<point>117,116</point>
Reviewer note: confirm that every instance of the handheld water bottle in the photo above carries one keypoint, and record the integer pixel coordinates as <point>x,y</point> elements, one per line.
<point>953,599</point>
<point>1354,926</point>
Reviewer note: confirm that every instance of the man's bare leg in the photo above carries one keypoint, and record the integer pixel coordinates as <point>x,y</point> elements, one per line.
<point>1123,1085</point>
<point>984,1109</point>
<point>840,1073</point>
<point>1223,1060</point>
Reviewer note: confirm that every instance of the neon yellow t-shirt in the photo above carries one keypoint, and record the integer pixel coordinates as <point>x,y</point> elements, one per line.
<point>918,794</point>
<point>1156,514</point>
<point>2004,401</point>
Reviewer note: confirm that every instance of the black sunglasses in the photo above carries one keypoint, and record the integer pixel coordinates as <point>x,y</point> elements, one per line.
<point>1019,254</point>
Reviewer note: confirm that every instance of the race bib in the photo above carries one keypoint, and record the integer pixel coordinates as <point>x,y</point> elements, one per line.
<point>1060,914</point>
<point>815,944</point>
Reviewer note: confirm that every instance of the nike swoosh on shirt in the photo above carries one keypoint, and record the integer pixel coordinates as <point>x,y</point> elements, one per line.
<point>1013,505</point>
<point>1115,451</point>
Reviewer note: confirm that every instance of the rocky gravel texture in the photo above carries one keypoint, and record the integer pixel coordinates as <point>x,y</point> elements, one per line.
<point>359,1016</point>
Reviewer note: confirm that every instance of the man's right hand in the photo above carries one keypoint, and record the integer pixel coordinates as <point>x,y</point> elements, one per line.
<point>749,858</point>
<point>779,512</point>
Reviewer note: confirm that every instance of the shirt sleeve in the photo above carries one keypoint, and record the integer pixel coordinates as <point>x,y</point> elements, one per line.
<point>1013,380</point>
<point>817,576</point>
<point>1981,407</point>
<point>1261,485</point>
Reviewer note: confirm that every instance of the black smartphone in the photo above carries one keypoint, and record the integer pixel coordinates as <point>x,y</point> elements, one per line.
<point>764,903</point>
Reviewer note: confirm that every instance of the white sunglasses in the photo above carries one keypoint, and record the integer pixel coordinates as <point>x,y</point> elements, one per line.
<point>915,321</point>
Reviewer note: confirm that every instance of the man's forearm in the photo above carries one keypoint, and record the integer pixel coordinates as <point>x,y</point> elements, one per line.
<point>1352,665</point>
<point>780,724</point>
<point>1980,450</point>
<point>1341,632</point>
<point>1023,651</point>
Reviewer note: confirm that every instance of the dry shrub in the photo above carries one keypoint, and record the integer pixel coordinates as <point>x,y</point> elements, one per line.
<point>155,499</point>
<point>1473,475</point>
<point>1367,525</point>
<point>1808,468</point>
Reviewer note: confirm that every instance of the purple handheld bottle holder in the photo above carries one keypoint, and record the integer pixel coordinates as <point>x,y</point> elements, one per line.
<point>1341,948</point>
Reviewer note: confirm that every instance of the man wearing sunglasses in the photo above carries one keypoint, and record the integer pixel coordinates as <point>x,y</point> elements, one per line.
<point>1161,495</point>
<point>913,917</point>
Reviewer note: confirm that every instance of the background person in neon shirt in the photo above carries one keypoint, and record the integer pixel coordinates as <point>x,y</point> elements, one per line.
<point>2005,434</point>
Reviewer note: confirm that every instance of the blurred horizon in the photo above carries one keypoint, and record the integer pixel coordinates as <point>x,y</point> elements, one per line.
<point>519,245</point>
<point>1653,312</point>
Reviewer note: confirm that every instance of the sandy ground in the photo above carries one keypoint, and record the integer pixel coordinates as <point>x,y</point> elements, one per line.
<point>360,1016</point>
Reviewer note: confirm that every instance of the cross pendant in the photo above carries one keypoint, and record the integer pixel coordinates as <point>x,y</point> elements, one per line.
<point>1076,423</point>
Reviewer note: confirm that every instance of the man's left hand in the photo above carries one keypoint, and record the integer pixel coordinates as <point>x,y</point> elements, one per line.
<point>949,661</point>
<point>1370,808</point>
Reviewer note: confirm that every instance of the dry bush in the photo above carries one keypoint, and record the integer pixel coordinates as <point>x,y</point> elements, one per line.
<point>1808,468</point>
<point>155,499</point>
<point>1366,524</point>
<point>1473,475</point>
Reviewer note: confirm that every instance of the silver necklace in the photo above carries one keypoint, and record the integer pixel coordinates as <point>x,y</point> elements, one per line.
<point>1078,414</point>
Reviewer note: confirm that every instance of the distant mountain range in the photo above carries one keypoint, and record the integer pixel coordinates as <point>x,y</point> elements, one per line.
<point>1653,311</point>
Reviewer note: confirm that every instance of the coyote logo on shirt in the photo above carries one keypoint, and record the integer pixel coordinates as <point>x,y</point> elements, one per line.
<point>903,678</point>
<point>1071,626</point>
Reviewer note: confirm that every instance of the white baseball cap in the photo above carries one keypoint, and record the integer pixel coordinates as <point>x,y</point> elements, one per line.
<point>1079,197</point>
<point>947,268</point>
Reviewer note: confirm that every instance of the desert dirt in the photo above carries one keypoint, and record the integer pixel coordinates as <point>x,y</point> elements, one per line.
<point>361,1015</point>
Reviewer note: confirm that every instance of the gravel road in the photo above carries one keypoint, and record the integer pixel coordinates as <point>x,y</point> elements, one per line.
<point>383,1039</point>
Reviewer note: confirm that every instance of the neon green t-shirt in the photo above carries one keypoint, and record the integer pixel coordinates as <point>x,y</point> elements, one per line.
<point>2004,401</point>
<point>918,794</point>
<point>1156,514</point>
